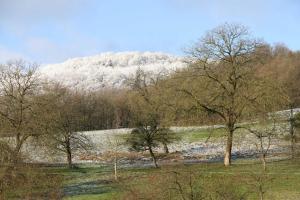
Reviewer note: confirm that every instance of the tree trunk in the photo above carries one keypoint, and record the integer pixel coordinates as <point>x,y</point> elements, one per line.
<point>115,168</point>
<point>166,149</point>
<point>292,133</point>
<point>153,157</point>
<point>69,157</point>
<point>16,152</point>
<point>293,142</point>
<point>261,192</point>
<point>261,187</point>
<point>263,159</point>
<point>227,158</point>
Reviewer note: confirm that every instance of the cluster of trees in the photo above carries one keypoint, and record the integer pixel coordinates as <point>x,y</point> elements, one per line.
<point>51,113</point>
<point>36,112</point>
<point>229,80</point>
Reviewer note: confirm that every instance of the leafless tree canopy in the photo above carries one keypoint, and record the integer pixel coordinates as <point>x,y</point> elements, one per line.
<point>222,81</point>
<point>19,109</point>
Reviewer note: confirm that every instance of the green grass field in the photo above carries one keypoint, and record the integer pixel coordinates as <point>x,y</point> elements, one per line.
<point>201,135</point>
<point>96,182</point>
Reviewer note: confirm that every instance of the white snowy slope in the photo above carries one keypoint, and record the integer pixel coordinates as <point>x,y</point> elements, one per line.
<point>108,69</point>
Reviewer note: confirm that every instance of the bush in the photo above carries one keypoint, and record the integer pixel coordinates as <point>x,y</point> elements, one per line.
<point>29,182</point>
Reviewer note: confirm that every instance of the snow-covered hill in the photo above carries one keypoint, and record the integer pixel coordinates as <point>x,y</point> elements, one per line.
<point>108,69</point>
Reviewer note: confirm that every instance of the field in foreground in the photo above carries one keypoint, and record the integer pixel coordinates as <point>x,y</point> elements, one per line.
<point>175,179</point>
<point>242,180</point>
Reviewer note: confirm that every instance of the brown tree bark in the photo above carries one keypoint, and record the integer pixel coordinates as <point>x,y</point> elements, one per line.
<point>69,156</point>
<point>227,157</point>
<point>264,161</point>
<point>166,149</point>
<point>153,157</point>
<point>15,157</point>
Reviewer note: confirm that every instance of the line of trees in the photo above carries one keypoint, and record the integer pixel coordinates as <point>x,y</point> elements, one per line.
<point>55,115</point>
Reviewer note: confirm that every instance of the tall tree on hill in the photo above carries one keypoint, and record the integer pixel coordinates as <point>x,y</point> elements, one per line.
<point>221,78</point>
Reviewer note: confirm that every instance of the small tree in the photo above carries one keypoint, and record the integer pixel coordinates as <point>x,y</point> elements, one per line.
<point>144,139</point>
<point>147,138</point>
<point>150,113</point>
<point>166,137</point>
<point>264,134</point>
<point>149,104</point>
<point>115,153</point>
<point>259,183</point>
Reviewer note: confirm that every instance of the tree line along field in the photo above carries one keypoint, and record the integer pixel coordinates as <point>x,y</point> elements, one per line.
<point>196,144</point>
<point>233,86</point>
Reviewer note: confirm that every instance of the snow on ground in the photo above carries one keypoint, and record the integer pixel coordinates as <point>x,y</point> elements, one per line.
<point>286,114</point>
<point>244,145</point>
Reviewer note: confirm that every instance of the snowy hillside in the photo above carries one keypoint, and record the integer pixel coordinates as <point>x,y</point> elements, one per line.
<point>108,69</point>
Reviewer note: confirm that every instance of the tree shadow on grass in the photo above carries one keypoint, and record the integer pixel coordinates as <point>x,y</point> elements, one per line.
<point>88,188</point>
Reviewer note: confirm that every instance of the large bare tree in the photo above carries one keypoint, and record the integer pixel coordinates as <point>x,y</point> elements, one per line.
<point>19,108</point>
<point>64,122</point>
<point>221,79</point>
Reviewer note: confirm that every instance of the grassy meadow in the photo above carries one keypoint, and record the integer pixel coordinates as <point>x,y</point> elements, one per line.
<point>281,181</point>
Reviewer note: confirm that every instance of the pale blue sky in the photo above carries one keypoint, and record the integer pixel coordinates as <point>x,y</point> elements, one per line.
<point>49,31</point>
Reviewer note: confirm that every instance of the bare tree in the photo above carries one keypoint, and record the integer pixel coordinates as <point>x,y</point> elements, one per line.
<point>64,123</point>
<point>264,134</point>
<point>116,145</point>
<point>221,79</point>
<point>260,182</point>
<point>19,109</point>
<point>151,113</point>
<point>184,184</point>
<point>294,124</point>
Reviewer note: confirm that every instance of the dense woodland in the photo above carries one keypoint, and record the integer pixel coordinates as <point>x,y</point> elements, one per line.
<point>231,78</point>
